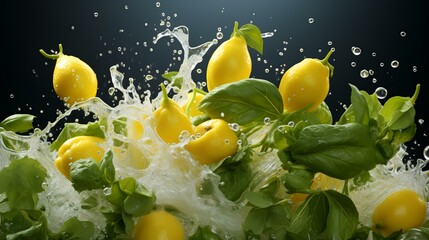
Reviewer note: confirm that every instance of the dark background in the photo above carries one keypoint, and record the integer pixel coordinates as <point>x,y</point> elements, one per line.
<point>105,33</point>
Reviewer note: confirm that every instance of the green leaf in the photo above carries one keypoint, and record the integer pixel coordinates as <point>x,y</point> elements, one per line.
<point>127,185</point>
<point>339,151</point>
<point>266,220</point>
<point>342,217</point>
<point>310,219</point>
<point>86,175</point>
<point>138,205</point>
<point>171,76</point>
<point>235,178</point>
<point>18,123</point>
<point>21,224</point>
<point>298,179</point>
<point>399,111</point>
<point>21,181</point>
<point>260,199</point>
<point>253,37</point>
<point>205,233</point>
<point>243,102</point>
<point>360,106</point>
<point>74,229</point>
<point>107,168</point>
<point>76,129</point>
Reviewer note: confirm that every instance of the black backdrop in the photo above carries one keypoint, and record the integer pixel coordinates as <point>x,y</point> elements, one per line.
<point>105,33</point>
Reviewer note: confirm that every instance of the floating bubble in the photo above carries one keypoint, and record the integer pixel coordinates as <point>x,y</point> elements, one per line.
<point>219,35</point>
<point>148,77</point>
<point>158,4</point>
<point>311,20</point>
<point>356,50</point>
<point>374,80</point>
<point>95,14</point>
<point>394,64</point>
<point>329,43</point>
<point>381,92</point>
<point>301,50</point>
<point>267,120</point>
<point>403,34</point>
<point>381,64</point>
<point>421,121</point>
<point>234,126</point>
<point>364,73</point>
<point>11,95</point>
<point>353,64</point>
<point>414,68</point>
<point>426,153</point>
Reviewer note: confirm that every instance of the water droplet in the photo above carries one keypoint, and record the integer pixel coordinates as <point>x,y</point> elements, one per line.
<point>329,43</point>
<point>148,77</point>
<point>267,120</point>
<point>107,191</point>
<point>353,64</point>
<point>234,126</point>
<point>222,114</point>
<point>291,123</point>
<point>267,34</point>
<point>381,92</point>
<point>95,14</point>
<point>364,73</point>
<point>371,72</point>
<point>403,34</point>
<point>421,121</point>
<point>72,27</point>
<point>374,80</point>
<point>280,53</point>
<point>374,54</point>
<point>414,68</point>
<point>301,50</point>
<point>356,51</point>
<point>394,64</point>
<point>126,7</point>
<point>44,185</point>
<point>158,4</point>
<point>426,153</point>
<point>267,70</point>
<point>111,91</point>
<point>219,35</point>
<point>11,95</point>
<point>382,64</point>
<point>311,20</point>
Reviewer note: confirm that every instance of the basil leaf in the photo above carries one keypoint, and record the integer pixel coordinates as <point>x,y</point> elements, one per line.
<point>171,77</point>
<point>310,219</point>
<point>360,106</point>
<point>18,123</point>
<point>21,181</point>
<point>85,174</point>
<point>107,168</point>
<point>23,224</point>
<point>205,233</point>
<point>236,179</point>
<point>260,199</point>
<point>399,112</point>
<point>342,217</point>
<point>243,102</point>
<point>74,229</point>
<point>339,151</point>
<point>298,179</point>
<point>253,37</point>
<point>138,205</point>
<point>76,129</point>
<point>267,220</point>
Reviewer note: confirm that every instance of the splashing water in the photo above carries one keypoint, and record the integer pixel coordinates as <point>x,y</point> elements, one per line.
<point>171,174</point>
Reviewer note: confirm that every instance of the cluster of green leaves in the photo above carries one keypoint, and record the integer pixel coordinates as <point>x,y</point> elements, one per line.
<point>367,134</point>
<point>21,182</point>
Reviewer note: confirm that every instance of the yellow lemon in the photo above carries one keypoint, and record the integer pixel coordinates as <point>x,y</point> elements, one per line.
<point>159,225</point>
<point>401,210</point>
<point>170,119</point>
<point>306,84</point>
<point>230,62</point>
<point>73,79</point>
<point>76,148</point>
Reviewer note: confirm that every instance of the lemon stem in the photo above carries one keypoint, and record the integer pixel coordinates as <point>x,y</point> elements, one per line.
<point>190,103</point>
<point>53,56</point>
<point>165,99</point>
<point>416,94</point>
<point>325,62</point>
<point>236,32</point>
